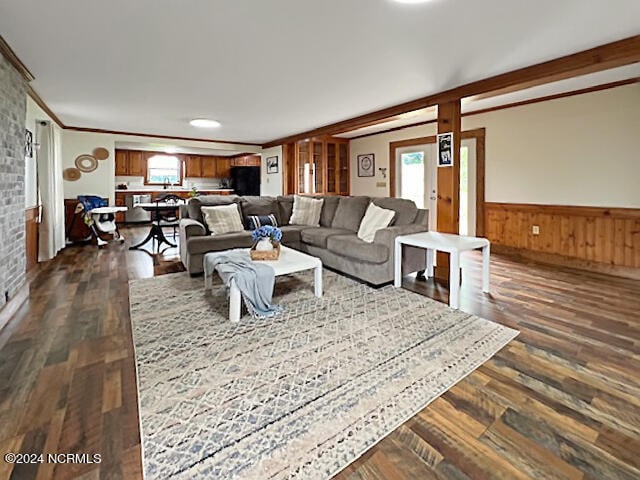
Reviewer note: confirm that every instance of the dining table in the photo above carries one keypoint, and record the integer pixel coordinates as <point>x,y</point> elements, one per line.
<point>155,232</point>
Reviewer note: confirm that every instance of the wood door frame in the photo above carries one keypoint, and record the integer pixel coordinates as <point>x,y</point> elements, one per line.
<point>479,135</point>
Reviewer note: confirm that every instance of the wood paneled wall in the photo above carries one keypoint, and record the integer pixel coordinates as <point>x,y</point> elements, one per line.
<point>596,234</point>
<point>31,236</point>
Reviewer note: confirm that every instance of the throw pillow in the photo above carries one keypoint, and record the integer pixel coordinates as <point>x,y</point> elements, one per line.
<point>375,218</point>
<point>306,211</point>
<point>254,222</point>
<point>223,219</point>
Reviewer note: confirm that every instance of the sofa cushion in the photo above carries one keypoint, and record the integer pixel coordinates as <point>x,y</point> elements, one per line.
<point>318,236</point>
<point>216,243</point>
<point>352,247</point>
<point>256,221</point>
<point>222,219</point>
<point>329,208</point>
<point>350,212</point>
<point>406,210</point>
<point>285,204</point>
<point>259,206</point>
<point>374,219</point>
<point>306,211</point>
<point>291,234</point>
<point>195,204</point>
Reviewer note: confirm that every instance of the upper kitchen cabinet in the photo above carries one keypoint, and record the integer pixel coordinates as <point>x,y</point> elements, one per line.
<point>130,163</point>
<point>193,166</point>
<point>246,161</point>
<point>209,167</point>
<point>223,167</point>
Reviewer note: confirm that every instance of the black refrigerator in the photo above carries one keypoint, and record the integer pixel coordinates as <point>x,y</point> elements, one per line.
<point>245,180</point>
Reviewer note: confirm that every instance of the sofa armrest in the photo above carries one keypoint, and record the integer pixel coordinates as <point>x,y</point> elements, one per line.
<point>387,236</point>
<point>191,228</point>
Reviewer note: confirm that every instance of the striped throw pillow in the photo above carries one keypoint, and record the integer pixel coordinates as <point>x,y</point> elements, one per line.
<point>375,218</point>
<point>306,211</point>
<point>254,222</point>
<point>223,219</point>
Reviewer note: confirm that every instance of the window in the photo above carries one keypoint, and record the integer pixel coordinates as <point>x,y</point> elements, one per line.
<point>164,169</point>
<point>412,177</point>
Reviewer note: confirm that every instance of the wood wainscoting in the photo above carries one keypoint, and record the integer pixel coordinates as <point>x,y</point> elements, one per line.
<point>593,238</point>
<point>31,236</point>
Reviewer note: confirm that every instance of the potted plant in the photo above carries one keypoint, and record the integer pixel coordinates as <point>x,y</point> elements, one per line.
<point>266,243</point>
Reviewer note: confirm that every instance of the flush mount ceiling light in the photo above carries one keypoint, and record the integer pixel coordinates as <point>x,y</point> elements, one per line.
<point>412,1</point>
<point>204,123</point>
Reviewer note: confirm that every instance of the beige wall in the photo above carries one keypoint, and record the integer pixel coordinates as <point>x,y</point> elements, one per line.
<point>99,182</point>
<point>379,146</point>
<point>271,183</point>
<point>579,150</point>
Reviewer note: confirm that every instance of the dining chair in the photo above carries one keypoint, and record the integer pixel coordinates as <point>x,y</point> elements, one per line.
<point>168,217</point>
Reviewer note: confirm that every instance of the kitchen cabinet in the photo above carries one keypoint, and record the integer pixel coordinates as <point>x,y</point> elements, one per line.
<point>131,163</point>
<point>209,167</point>
<point>206,166</point>
<point>246,161</point>
<point>223,166</point>
<point>193,166</point>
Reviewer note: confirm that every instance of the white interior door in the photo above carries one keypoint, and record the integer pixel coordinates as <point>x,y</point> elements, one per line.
<point>416,177</point>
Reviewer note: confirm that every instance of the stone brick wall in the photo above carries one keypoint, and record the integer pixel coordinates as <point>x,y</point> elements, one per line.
<point>13,103</point>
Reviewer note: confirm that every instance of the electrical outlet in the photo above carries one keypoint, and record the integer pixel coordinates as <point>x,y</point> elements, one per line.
<point>535,230</point>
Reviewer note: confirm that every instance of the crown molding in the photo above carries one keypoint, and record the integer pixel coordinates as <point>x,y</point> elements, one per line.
<point>13,59</point>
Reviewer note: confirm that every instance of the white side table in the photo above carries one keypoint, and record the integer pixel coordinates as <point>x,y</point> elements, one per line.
<point>444,242</point>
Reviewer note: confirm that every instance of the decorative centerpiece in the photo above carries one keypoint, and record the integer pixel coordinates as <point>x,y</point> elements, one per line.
<point>266,243</point>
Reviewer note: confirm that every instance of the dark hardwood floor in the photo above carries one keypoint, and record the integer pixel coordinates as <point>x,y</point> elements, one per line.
<point>561,401</point>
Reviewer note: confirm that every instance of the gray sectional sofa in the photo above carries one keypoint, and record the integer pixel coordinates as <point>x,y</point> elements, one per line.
<point>335,241</point>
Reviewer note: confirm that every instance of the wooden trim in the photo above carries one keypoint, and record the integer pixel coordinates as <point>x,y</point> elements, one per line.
<point>479,135</point>
<point>394,129</point>
<point>611,55</point>
<point>603,235</point>
<point>31,236</point>
<point>36,98</point>
<point>534,208</point>
<point>522,254</point>
<point>546,98</point>
<point>13,59</point>
<point>149,135</point>
<point>556,96</point>
<point>10,308</point>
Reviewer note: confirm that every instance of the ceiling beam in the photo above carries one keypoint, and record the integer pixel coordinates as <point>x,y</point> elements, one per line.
<point>604,57</point>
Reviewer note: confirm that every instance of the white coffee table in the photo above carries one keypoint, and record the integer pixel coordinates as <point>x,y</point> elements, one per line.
<point>290,261</point>
<point>444,242</point>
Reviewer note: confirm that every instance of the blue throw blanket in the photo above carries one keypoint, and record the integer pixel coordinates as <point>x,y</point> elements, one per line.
<point>254,280</point>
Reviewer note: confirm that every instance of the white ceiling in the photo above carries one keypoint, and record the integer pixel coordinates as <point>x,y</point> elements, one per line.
<point>469,105</point>
<point>267,69</point>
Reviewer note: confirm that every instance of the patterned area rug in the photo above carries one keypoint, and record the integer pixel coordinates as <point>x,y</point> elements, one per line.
<point>300,396</point>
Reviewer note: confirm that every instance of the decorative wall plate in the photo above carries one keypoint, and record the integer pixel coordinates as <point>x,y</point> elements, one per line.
<point>100,153</point>
<point>71,174</point>
<point>86,163</point>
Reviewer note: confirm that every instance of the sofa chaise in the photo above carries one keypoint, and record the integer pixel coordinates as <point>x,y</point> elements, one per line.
<point>334,241</point>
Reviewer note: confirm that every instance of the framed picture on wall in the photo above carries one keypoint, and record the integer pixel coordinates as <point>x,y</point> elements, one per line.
<point>28,144</point>
<point>272,164</point>
<point>366,165</point>
<point>445,149</point>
